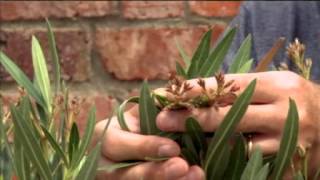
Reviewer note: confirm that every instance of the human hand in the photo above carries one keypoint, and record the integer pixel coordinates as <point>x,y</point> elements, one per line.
<point>265,116</point>
<point>120,145</point>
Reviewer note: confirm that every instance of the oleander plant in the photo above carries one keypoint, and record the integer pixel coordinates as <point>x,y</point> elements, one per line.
<point>38,134</point>
<point>40,140</point>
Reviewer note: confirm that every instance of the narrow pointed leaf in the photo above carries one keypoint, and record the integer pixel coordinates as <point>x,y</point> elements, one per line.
<point>266,60</point>
<point>299,176</point>
<point>253,166</point>
<point>19,160</point>
<point>196,133</point>
<point>54,144</point>
<point>246,67</point>
<point>89,168</point>
<point>183,54</point>
<point>189,156</point>
<point>216,57</point>
<point>86,139</point>
<point>156,159</point>
<point>30,144</point>
<point>54,57</point>
<point>288,142</point>
<point>21,78</point>
<point>41,72</point>
<point>228,126</point>
<point>317,175</point>
<point>238,160</point>
<point>242,56</point>
<point>120,112</point>
<point>188,143</point>
<point>73,140</point>
<point>263,173</point>
<point>200,55</point>
<point>180,71</point>
<point>148,111</point>
<point>222,163</point>
<point>113,167</point>
<point>170,135</point>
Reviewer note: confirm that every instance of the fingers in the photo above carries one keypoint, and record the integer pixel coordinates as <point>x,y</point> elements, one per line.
<point>171,169</point>
<point>268,144</point>
<point>194,173</point>
<point>257,118</point>
<point>121,145</point>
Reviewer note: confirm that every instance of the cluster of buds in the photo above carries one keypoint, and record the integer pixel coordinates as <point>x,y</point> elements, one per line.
<point>296,52</point>
<point>176,94</point>
<point>178,98</point>
<point>219,97</point>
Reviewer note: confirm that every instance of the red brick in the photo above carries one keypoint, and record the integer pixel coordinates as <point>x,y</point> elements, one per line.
<point>73,48</point>
<point>57,9</point>
<point>215,9</point>
<point>152,9</point>
<point>139,53</point>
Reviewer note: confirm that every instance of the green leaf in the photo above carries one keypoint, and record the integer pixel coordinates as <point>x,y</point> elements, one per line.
<point>183,54</point>
<point>253,166</point>
<point>86,139</point>
<point>19,160</point>
<point>54,144</point>
<point>246,67</point>
<point>29,142</point>
<point>2,129</point>
<point>21,78</point>
<point>73,140</point>
<point>55,57</point>
<point>41,72</point>
<point>170,135</point>
<point>180,71</point>
<point>222,161</point>
<point>299,176</point>
<point>216,57</point>
<point>190,157</point>
<point>120,112</point>
<point>317,175</point>
<point>263,173</point>
<point>227,127</point>
<point>190,148</point>
<point>89,168</point>
<point>147,111</point>
<point>238,162</point>
<point>200,55</point>
<point>156,159</point>
<point>288,142</point>
<point>196,133</point>
<point>242,56</point>
<point>120,165</point>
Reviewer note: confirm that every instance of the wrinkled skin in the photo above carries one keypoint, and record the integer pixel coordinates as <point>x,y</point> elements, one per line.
<point>265,117</point>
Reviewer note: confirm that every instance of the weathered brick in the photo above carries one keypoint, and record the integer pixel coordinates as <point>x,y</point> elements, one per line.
<point>57,9</point>
<point>215,9</point>
<point>152,9</point>
<point>73,47</point>
<point>139,53</point>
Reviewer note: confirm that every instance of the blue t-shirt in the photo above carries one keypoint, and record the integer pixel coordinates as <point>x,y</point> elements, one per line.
<point>267,21</point>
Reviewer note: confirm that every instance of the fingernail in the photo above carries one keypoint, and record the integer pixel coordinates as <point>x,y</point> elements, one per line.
<point>168,150</point>
<point>174,171</point>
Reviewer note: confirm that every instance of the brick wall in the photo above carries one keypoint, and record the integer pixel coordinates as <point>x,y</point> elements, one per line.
<point>107,48</point>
